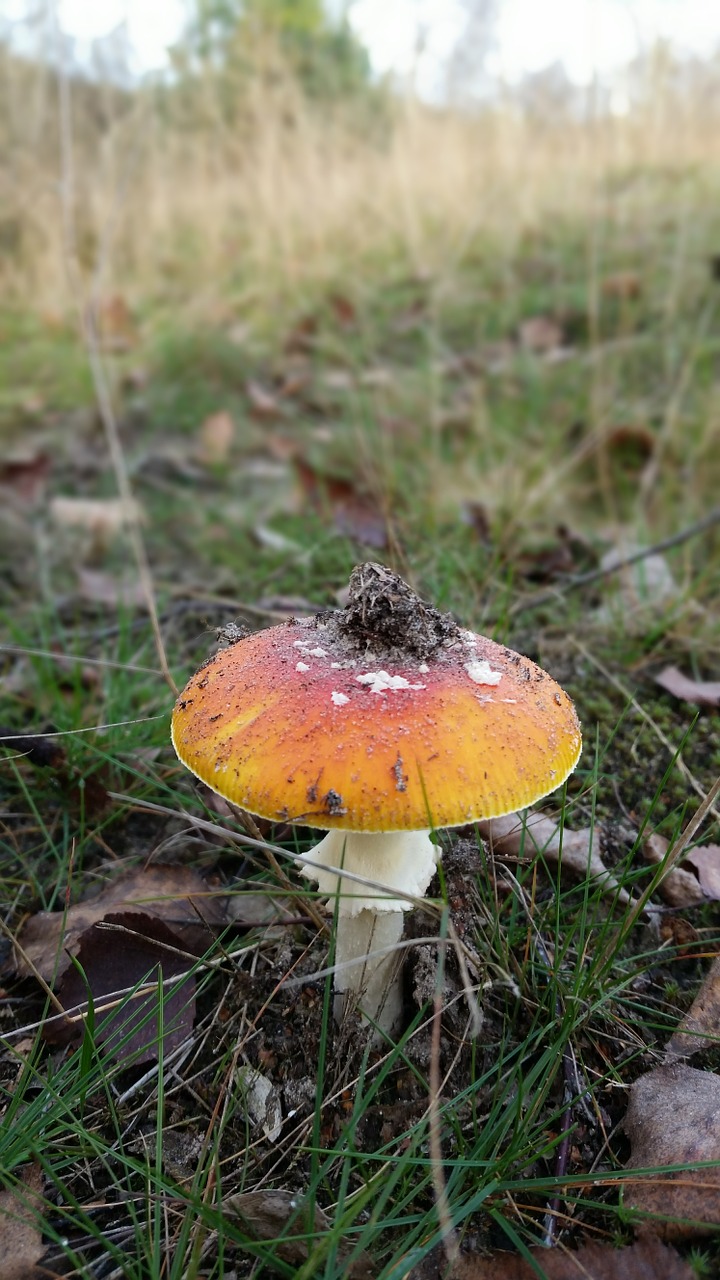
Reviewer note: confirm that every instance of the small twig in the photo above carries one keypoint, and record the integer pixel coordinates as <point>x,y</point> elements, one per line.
<point>594,575</point>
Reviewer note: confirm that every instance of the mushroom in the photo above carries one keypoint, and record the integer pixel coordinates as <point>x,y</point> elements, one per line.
<point>378,723</point>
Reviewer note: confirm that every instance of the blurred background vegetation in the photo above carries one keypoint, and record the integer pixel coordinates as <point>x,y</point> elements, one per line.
<point>267,153</point>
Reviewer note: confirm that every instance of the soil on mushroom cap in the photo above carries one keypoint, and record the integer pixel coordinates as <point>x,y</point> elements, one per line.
<point>385,617</point>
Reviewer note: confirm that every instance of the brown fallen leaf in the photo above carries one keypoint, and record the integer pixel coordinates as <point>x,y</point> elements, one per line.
<point>647,1259</point>
<point>674,1119</point>
<point>264,404</point>
<point>576,850</point>
<point>700,1027</point>
<point>20,1234</point>
<point>99,516</point>
<point>177,895</point>
<point>629,445</point>
<point>540,334</point>
<point>680,934</point>
<point>125,951</point>
<point>622,285</point>
<point>706,861</point>
<point>25,476</point>
<point>102,588</point>
<point>354,513</point>
<point>342,309</point>
<point>678,887</point>
<point>215,438</point>
<point>547,564</point>
<point>270,1215</point>
<point>704,693</point>
<point>86,790</point>
<point>116,324</point>
<point>40,749</point>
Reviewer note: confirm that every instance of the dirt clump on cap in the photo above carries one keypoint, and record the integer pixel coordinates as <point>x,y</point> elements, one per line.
<point>385,617</point>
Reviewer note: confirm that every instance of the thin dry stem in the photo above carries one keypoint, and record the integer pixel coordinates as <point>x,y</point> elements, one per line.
<point>86,307</point>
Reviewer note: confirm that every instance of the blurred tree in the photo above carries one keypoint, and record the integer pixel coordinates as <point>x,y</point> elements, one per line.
<point>266,38</point>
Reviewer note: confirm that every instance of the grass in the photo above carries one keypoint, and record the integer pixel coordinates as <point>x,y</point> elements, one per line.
<point>379,309</point>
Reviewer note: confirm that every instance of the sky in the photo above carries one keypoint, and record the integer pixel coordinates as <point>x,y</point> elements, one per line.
<point>589,37</point>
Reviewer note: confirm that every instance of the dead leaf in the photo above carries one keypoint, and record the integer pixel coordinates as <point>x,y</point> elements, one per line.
<point>537,833</point>
<point>679,888</point>
<point>302,336</point>
<point>706,860</point>
<point>262,1101</point>
<point>704,693</point>
<point>177,895</point>
<point>99,516</point>
<point>215,438</point>
<point>674,1119</point>
<point>548,563</point>
<point>116,325</point>
<point>20,1234</point>
<point>680,934</point>
<point>43,750</point>
<point>122,952</point>
<point>295,380</point>
<point>343,310</point>
<point>103,588</point>
<point>274,1215</point>
<point>700,1028</point>
<point>264,404</point>
<point>354,514</point>
<point>630,445</point>
<point>25,475</point>
<point>540,334</point>
<point>623,285</point>
<point>647,1259</point>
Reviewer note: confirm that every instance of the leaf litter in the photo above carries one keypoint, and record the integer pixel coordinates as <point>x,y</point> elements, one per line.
<point>143,929</point>
<point>647,1259</point>
<point>20,1233</point>
<point>673,1118</point>
<point>703,693</point>
<point>576,851</point>
<point>700,1027</point>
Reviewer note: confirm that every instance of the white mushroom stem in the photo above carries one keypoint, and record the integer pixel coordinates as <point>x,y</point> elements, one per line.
<point>370,915</point>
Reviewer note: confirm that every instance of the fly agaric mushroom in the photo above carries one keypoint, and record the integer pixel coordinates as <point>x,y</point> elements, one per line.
<point>378,724</point>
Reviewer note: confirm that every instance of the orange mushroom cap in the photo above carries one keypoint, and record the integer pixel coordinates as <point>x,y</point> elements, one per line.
<point>296,724</point>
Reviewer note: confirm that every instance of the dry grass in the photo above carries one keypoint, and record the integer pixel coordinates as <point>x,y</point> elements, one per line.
<point>173,198</point>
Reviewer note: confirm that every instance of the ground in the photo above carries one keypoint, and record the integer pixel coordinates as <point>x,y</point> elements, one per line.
<point>425,422</point>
